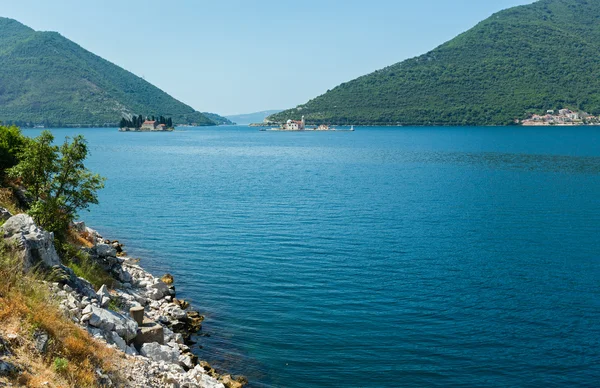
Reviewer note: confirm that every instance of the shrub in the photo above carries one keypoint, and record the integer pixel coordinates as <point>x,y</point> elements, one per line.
<point>12,143</point>
<point>60,365</point>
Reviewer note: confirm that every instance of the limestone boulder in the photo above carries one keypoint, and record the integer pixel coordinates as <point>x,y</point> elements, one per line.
<point>157,352</point>
<point>105,250</point>
<point>35,244</point>
<point>200,375</point>
<point>103,292</point>
<point>111,321</point>
<point>158,290</point>
<point>186,362</point>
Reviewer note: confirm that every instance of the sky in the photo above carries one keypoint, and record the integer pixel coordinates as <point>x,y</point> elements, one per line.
<point>242,56</point>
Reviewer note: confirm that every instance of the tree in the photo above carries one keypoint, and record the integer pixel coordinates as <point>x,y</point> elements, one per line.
<point>57,180</point>
<point>12,143</point>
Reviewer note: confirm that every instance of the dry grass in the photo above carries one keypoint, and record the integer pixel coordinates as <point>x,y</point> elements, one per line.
<point>26,305</point>
<point>80,240</point>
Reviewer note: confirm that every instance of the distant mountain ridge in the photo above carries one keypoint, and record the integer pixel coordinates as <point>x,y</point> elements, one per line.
<point>47,79</point>
<point>526,59</point>
<point>251,118</point>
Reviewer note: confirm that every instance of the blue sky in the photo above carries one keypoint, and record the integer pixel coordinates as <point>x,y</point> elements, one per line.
<point>235,56</point>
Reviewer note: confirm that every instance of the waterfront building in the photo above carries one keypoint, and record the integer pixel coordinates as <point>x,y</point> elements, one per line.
<point>149,125</point>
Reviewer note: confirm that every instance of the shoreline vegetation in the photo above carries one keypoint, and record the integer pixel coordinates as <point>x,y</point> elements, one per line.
<point>75,309</point>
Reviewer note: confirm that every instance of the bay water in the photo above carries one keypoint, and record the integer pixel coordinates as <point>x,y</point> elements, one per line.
<point>385,257</point>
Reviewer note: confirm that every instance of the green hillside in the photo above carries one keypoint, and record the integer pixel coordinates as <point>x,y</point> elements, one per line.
<point>217,119</point>
<point>46,78</point>
<point>525,59</point>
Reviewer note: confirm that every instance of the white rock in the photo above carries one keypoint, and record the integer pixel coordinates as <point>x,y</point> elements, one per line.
<point>186,361</point>
<point>205,380</point>
<point>158,352</point>
<point>117,340</point>
<point>37,245</point>
<point>72,303</point>
<point>87,309</point>
<point>105,250</point>
<point>158,290</point>
<point>102,292</point>
<point>109,320</point>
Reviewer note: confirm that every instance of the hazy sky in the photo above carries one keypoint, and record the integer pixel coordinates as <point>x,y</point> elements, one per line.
<point>234,56</point>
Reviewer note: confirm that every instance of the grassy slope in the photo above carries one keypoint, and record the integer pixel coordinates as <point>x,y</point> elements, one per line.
<point>44,76</point>
<point>26,304</point>
<point>529,58</point>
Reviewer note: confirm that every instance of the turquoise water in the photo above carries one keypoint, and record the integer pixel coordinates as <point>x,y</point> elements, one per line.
<point>386,257</point>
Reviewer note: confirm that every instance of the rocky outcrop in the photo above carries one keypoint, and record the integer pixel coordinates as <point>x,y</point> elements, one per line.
<point>108,321</point>
<point>159,352</point>
<point>35,245</point>
<point>158,355</point>
<point>41,339</point>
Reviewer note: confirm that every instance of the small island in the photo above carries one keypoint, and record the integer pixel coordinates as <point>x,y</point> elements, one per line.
<point>296,126</point>
<point>149,124</point>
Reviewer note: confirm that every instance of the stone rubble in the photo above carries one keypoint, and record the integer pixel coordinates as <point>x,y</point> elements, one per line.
<point>157,350</point>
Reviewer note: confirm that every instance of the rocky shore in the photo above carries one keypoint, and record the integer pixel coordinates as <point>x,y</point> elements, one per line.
<point>139,315</point>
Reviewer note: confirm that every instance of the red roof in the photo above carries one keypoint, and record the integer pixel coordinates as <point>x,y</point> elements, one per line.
<point>149,122</point>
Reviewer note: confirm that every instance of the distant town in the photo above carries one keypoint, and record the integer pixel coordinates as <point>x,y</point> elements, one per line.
<point>562,117</point>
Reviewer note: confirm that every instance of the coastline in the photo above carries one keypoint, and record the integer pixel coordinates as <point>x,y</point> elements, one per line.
<point>134,313</point>
<point>170,361</point>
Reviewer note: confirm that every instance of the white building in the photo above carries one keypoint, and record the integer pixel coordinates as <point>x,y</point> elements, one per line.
<point>292,125</point>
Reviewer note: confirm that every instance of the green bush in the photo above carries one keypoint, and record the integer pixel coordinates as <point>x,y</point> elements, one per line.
<point>12,143</point>
<point>60,365</point>
<point>84,267</point>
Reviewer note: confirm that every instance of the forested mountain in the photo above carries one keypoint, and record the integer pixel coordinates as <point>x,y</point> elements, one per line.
<point>525,59</point>
<point>47,79</point>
